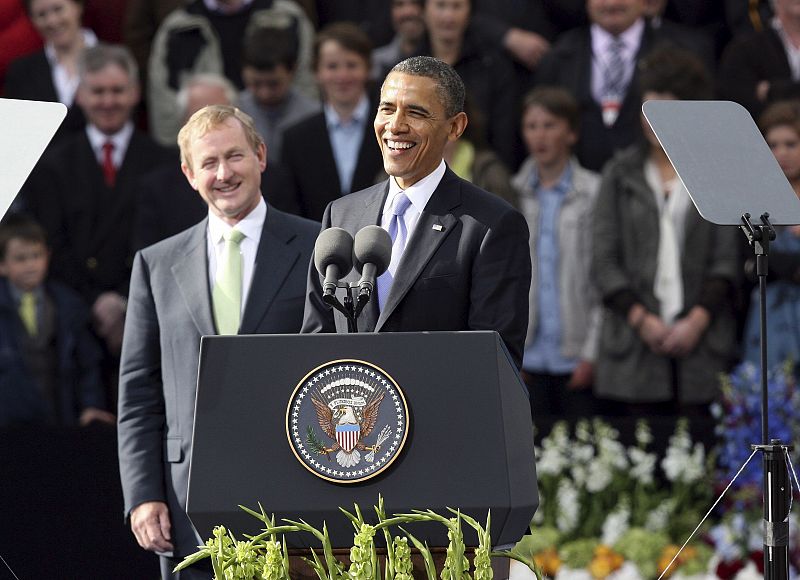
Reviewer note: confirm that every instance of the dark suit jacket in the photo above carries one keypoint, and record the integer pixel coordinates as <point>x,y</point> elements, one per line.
<point>169,309</point>
<point>31,78</point>
<point>79,384</point>
<point>308,156</point>
<point>569,65</point>
<point>89,225</point>
<point>750,59</point>
<point>472,273</point>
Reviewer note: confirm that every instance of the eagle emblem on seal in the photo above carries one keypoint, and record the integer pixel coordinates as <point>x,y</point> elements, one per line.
<point>346,425</point>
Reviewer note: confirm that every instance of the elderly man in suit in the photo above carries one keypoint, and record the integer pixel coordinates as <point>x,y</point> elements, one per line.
<point>241,270</point>
<point>466,264</point>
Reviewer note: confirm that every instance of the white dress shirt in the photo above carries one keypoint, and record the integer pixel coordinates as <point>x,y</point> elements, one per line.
<point>418,194</point>
<point>121,139</point>
<point>65,84</point>
<point>251,226</point>
<point>601,44</point>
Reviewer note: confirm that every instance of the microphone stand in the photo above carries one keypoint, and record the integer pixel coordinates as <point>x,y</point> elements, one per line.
<point>776,485</point>
<point>349,309</point>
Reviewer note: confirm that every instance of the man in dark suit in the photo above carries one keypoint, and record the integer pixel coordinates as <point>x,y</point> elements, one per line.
<point>466,265</point>
<point>598,65</point>
<point>84,190</point>
<point>242,270</point>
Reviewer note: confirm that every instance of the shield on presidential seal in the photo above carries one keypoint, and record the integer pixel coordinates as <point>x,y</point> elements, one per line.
<point>347,436</point>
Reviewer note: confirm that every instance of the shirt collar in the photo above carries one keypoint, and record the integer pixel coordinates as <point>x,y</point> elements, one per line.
<point>89,40</point>
<point>419,194</point>
<point>120,139</point>
<point>214,6</point>
<point>334,121</point>
<point>563,184</point>
<point>16,293</point>
<point>251,225</point>
<point>632,37</point>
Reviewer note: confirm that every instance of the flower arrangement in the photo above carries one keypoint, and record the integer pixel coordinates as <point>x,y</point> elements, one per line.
<point>738,535</point>
<point>608,511</point>
<point>266,557</point>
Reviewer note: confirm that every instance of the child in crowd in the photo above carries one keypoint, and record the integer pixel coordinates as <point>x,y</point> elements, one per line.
<point>557,197</point>
<point>49,361</point>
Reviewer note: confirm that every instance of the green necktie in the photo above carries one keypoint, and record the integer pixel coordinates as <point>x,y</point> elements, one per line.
<point>27,312</point>
<point>227,292</point>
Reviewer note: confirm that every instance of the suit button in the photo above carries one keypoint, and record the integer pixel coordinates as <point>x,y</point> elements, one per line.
<point>91,263</point>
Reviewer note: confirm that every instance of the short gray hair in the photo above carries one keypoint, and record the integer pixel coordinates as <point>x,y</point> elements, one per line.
<point>449,86</point>
<point>101,55</point>
<point>208,80</point>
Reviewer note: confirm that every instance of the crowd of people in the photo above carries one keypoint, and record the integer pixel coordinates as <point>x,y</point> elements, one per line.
<point>636,303</point>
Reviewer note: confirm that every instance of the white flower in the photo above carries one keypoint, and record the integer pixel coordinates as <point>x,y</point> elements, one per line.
<point>599,476</point>
<point>628,571</point>
<point>725,545</point>
<point>749,572</point>
<point>565,573</point>
<point>550,461</point>
<point>643,434</point>
<point>658,518</point>
<point>579,474</point>
<point>616,524</point>
<point>643,465</point>
<point>614,452</point>
<point>568,506</point>
<point>582,453</point>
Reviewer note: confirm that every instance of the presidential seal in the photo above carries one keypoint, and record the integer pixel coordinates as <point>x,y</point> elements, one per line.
<point>347,421</point>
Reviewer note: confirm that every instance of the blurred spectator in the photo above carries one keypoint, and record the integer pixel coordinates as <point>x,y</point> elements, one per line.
<point>780,125</point>
<point>49,361</point>
<point>487,73</point>
<point>597,64</point>
<point>106,18</point>
<point>206,36</point>
<point>52,73</point>
<point>333,153</point>
<point>696,41</point>
<point>165,202</point>
<point>471,158</point>
<point>18,37</point>
<point>665,275</point>
<point>557,197</point>
<point>743,16</point>
<point>761,67</point>
<point>269,63</point>
<point>84,190</point>
<point>141,21</point>
<point>409,27</point>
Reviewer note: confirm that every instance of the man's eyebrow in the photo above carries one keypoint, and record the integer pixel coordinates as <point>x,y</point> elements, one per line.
<point>417,108</point>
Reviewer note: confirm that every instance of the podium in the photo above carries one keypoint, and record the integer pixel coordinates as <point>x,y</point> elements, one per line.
<point>469,441</point>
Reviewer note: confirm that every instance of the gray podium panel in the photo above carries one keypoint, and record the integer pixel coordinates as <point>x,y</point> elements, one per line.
<point>723,161</point>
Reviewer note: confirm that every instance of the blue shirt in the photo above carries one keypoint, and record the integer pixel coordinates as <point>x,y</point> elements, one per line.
<point>543,355</point>
<point>346,138</point>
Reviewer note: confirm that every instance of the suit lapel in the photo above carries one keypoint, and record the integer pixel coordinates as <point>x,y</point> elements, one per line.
<point>191,276</point>
<point>274,260</point>
<point>434,225</point>
<point>370,215</point>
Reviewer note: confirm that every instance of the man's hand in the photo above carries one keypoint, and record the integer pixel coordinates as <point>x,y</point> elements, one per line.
<point>684,335</point>
<point>526,47</point>
<point>762,90</point>
<point>151,526</point>
<point>582,376</point>
<point>92,414</point>
<point>108,312</point>
<point>653,331</point>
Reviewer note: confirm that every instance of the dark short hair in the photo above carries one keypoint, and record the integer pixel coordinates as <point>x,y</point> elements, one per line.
<point>266,48</point>
<point>780,114</point>
<point>26,4</point>
<point>17,226</point>
<point>449,85</point>
<point>101,55</point>
<point>674,71</point>
<point>557,101</point>
<point>348,36</point>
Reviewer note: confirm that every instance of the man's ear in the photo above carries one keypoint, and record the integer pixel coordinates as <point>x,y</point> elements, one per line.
<point>457,125</point>
<point>187,171</point>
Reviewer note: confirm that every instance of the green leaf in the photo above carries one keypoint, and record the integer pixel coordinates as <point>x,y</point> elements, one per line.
<point>430,568</point>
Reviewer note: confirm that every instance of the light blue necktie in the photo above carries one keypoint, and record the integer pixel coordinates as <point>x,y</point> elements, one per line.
<point>398,231</point>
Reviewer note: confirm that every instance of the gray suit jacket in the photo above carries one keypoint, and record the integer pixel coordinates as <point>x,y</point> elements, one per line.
<point>169,309</point>
<point>466,266</point>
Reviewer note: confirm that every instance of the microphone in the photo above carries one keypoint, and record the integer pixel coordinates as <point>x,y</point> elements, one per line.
<point>372,252</point>
<point>333,257</point>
